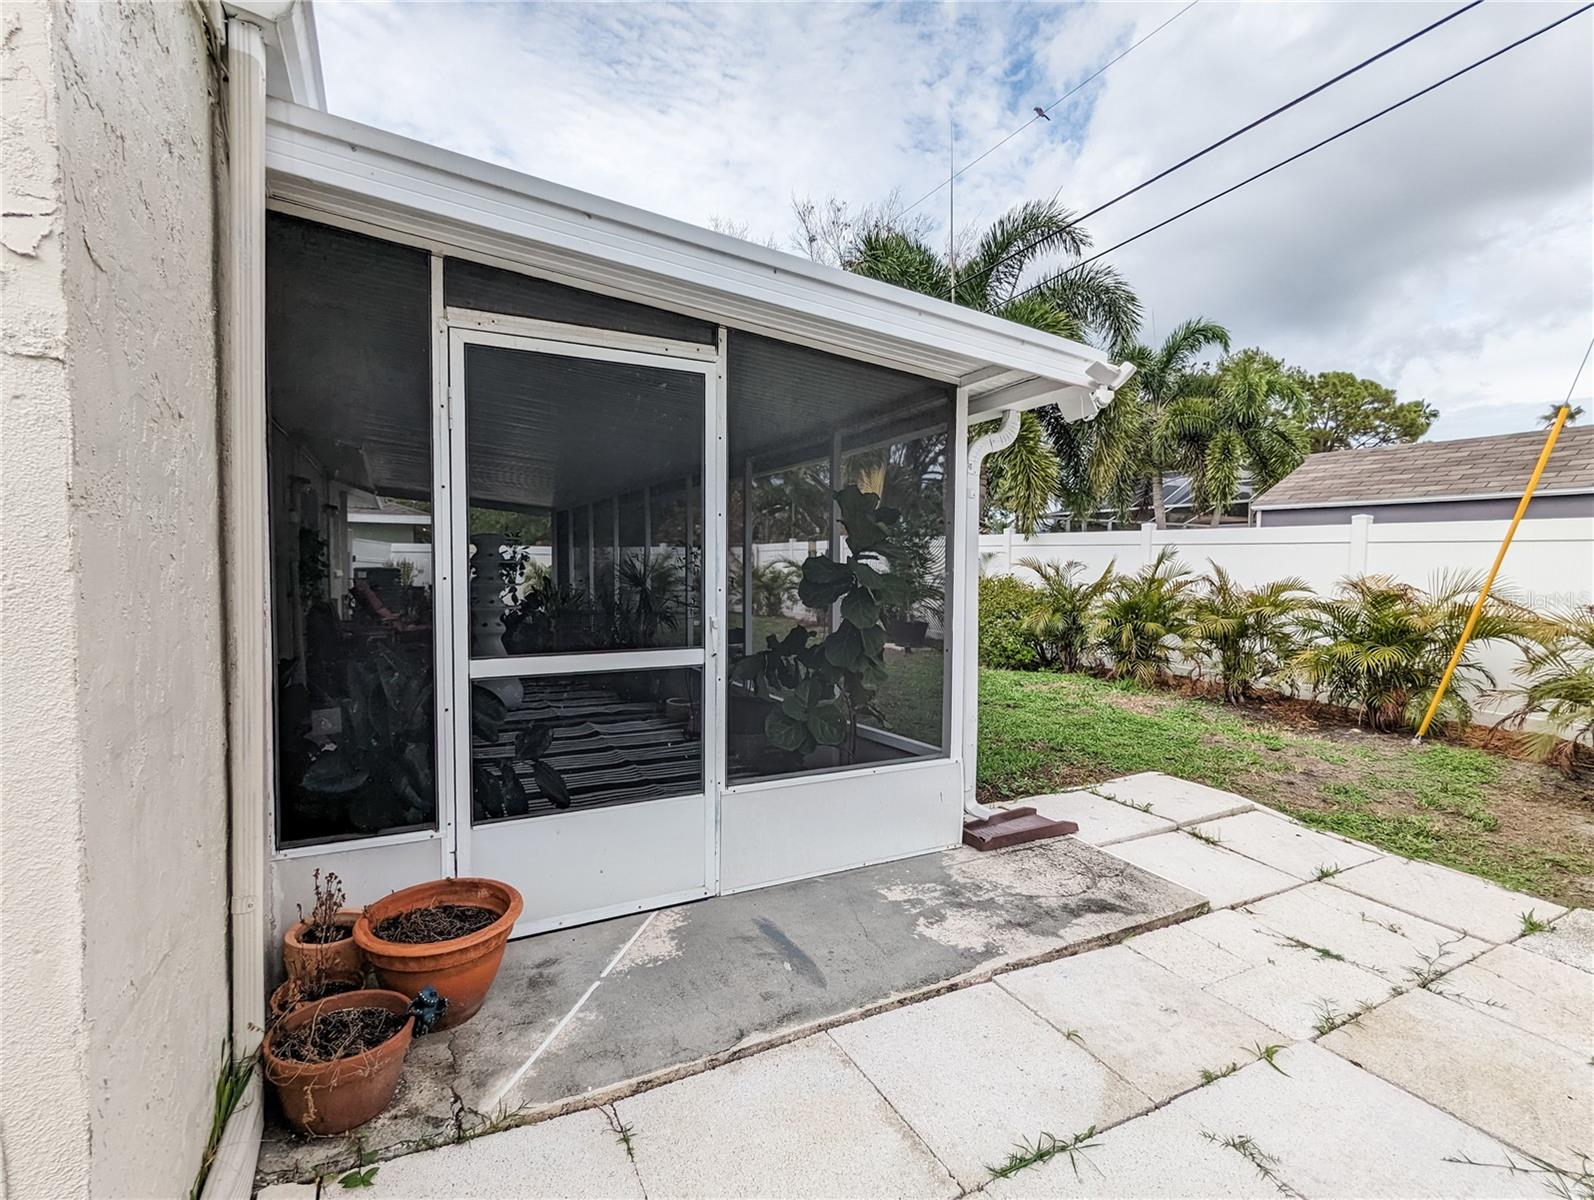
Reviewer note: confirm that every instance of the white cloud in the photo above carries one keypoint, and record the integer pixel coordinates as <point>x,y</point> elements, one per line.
<point>1445,249</point>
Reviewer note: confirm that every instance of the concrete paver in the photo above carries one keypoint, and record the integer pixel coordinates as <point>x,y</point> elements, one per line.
<point>1157,1031</point>
<point>1330,1129</point>
<point>1464,903</point>
<point>1516,1086</point>
<point>1178,800</point>
<point>1371,935</point>
<point>1285,845</point>
<point>1222,876</point>
<point>974,1072</point>
<point>1531,992</point>
<point>1187,954</point>
<point>580,1155</point>
<point>1569,940</point>
<point>1101,822</point>
<point>800,1120</point>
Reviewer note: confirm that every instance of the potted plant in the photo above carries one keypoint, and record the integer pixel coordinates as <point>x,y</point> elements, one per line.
<point>449,934</point>
<point>336,1063</point>
<point>322,944</point>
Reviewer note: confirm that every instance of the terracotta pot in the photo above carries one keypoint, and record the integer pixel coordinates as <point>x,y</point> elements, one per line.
<point>340,959</point>
<point>323,1098</point>
<point>461,969</point>
<point>286,998</point>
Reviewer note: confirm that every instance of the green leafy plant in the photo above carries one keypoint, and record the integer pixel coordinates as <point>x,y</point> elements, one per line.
<point>1143,619</point>
<point>774,587</point>
<point>1006,642</point>
<point>1380,646</point>
<point>1244,635</point>
<point>232,1082</point>
<point>1061,618</point>
<point>497,791</point>
<point>1560,689</point>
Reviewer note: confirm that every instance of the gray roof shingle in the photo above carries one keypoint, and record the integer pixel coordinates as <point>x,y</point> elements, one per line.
<point>1483,466</point>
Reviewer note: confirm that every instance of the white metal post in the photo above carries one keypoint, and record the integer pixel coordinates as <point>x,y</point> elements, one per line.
<point>1361,527</point>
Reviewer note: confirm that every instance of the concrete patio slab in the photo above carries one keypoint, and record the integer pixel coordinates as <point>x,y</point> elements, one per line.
<point>1157,1031</point>
<point>800,1120</point>
<point>1101,822</point>
<point>1364,932</point>
<point>1531,992</point>
<point>1464,903</point>
<point>1188,955</point>
<point>1222,876</point>
<point>1178,800</point>
<point>577,1157</point>
<point>1162,1154</point>
<point>974,1072</point>
<point>1569,940</point>
<point>704,983</point>
<point>1330,1129</point>
<point>1516,1086</point>
<point>1284,845</point>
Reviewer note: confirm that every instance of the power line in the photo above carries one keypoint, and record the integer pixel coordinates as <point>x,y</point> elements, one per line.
<point>1040,113</point>
<point>1223,141</point>
<point>1314,146</point>
<point>1565,403</point>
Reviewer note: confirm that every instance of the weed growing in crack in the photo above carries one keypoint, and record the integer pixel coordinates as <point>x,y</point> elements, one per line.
<point>470,1124</point>
<point>1267,1054</point>
<point>1327,873</point>
<point>1044,1149</point>
<point>1222,1073</point>
<point>1208,838</point>
<point>1329,1018</point>
<point>1266,1164</point>
<point>1391,926</point>
<point>1568,1185</point>
<point>1074,1036</point>
<point>1532,924</point>
<point>1433,968</point>
<point>623,1130</point>
<point>1295,943</point>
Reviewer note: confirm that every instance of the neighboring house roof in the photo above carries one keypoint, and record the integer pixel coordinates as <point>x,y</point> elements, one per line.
<point>1464,469</point>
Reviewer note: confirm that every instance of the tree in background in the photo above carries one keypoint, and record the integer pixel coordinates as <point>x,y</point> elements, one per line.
<point>1341,412</point>
<point>1166,375</point>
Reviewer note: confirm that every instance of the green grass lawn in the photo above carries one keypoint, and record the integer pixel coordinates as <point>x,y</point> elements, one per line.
<point>1518,824</point>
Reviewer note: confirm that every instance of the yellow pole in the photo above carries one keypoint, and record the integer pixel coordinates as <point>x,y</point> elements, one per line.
<point>1483,594</point>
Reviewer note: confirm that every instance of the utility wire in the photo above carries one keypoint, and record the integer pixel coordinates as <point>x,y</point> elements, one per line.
<point>1314,146</point>
<point>1567,403</point>
<point>1223,141</point>
<point>1043,114</point>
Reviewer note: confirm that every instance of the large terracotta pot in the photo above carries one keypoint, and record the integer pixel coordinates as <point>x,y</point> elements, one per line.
<point>323,1098</point>
<point>289,994</point>
<point>461,969</point>
<point>339,959</point>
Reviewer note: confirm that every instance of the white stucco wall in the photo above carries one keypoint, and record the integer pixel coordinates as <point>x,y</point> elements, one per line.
<point>112,721</point>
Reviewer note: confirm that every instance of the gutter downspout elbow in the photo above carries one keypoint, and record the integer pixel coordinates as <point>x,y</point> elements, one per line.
<point>1000,438</point>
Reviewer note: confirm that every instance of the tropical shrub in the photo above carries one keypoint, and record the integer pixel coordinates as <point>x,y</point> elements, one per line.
<point>1006,643</point>
<point>1560,688</point>
<point>1380,646</point>
<point>1060,620</point>
<point>1143,619</point>
<point>1244,635</point>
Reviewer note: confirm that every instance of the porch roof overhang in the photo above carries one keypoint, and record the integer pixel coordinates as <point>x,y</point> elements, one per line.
<point>335,170</point>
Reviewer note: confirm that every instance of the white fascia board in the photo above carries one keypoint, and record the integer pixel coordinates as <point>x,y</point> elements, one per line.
<point>319,163</point>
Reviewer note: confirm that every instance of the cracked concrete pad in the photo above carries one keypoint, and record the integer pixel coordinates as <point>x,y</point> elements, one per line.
<point>1223,877</point>
<point>1178,800</point>
<point>1569,940</point>
<point>1101,821</point>
<point>800,1120</point>
<point>974,1072</point>
<point>1367,933</point>
<point>1284,845</point>
<point>1151,1027</point>
<point>1162,1154</point>
<point>1334,1130</point>
<point>1516,1086</point>
<point>1531,992</point>
<point>1461,902</point>
<point>1187,954</point>
<point>572,1157</point>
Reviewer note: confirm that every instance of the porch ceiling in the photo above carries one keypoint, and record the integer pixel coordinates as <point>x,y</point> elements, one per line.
<point>342,172</point>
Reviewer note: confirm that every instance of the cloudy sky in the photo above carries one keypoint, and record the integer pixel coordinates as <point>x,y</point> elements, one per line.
<point>1446,250</point>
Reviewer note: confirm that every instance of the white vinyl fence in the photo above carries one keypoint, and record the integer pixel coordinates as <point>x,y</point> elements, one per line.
<point>1550,565</point>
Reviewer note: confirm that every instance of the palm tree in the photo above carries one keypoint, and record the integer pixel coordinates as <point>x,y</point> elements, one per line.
<point>1080,302</point>
<point>1547,417</point>
<point>1232,424</point>
<point>1166,374</point>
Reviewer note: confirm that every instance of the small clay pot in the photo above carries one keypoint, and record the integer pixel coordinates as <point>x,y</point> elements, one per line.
<point>323,1098</point>
<point>287,996</point>
<point>339,959</point>
<point>461,969</point>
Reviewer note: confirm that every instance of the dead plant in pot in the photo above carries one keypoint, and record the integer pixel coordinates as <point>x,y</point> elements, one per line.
<point>323,942</point>
<point>448,934</point>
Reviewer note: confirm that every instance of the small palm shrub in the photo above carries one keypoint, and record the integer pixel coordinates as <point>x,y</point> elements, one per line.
<point>1244,635</point>
<point>1005,640</point>
<point>1060,621</point>
<point>1143,618</point>
<point>1560,688</point>
<point>1380,646</point>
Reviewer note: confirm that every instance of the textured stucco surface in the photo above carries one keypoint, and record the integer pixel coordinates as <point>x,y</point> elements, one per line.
<point>112,720</point>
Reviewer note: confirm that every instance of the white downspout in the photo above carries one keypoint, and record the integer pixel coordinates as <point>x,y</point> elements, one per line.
<point>247,599</point>
<point>1003,436</point>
